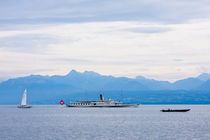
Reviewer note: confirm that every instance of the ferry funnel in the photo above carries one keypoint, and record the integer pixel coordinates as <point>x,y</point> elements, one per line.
<point>101,97</point>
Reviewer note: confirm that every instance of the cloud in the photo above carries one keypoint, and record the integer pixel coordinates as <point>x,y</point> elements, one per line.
<point>109,48</point>
<point>178,60</point>
<point>65,11</point>
<point>148,30</point>
<point>160,39</point>
<point>26,43</point>
<point>71,60</point>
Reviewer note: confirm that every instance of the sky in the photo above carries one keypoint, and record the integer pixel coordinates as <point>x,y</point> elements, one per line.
<point>159,39</point>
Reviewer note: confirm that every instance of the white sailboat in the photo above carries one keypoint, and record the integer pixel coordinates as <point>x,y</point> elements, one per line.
<point>24,101</point>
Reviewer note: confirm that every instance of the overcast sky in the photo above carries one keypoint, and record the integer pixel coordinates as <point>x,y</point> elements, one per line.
<point>159,39</point>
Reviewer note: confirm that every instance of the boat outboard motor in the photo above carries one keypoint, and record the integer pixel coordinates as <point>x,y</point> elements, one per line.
<point>101,97</point>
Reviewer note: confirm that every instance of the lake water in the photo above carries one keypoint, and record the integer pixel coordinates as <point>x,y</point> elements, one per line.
<point>143,123</point>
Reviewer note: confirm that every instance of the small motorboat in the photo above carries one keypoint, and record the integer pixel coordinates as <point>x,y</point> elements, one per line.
<point>175,110</point>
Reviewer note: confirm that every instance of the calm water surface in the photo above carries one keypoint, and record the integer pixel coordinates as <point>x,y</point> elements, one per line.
<point>145,123</point>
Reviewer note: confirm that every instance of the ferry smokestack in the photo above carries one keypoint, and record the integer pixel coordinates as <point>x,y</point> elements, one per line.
<point>101,97</point>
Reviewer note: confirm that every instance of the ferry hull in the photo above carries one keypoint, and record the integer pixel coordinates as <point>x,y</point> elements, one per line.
<point>104,106</point>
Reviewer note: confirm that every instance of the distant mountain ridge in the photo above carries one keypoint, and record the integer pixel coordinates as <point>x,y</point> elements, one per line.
<point>47,87</point>
<point>204,77</point>
<point>93,80</point>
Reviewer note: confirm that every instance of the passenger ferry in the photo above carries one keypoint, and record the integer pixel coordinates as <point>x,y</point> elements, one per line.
<point>100,103</point>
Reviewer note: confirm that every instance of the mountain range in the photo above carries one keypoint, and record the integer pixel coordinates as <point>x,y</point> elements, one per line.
<point>74,85</point>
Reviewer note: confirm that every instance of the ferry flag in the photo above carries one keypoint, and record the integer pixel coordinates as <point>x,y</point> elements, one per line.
<point>61,102</point>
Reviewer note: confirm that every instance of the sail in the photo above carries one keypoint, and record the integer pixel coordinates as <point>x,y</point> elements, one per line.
<point>24,98</point>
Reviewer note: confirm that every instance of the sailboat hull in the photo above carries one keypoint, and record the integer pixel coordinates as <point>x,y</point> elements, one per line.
<point>24,106</point>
